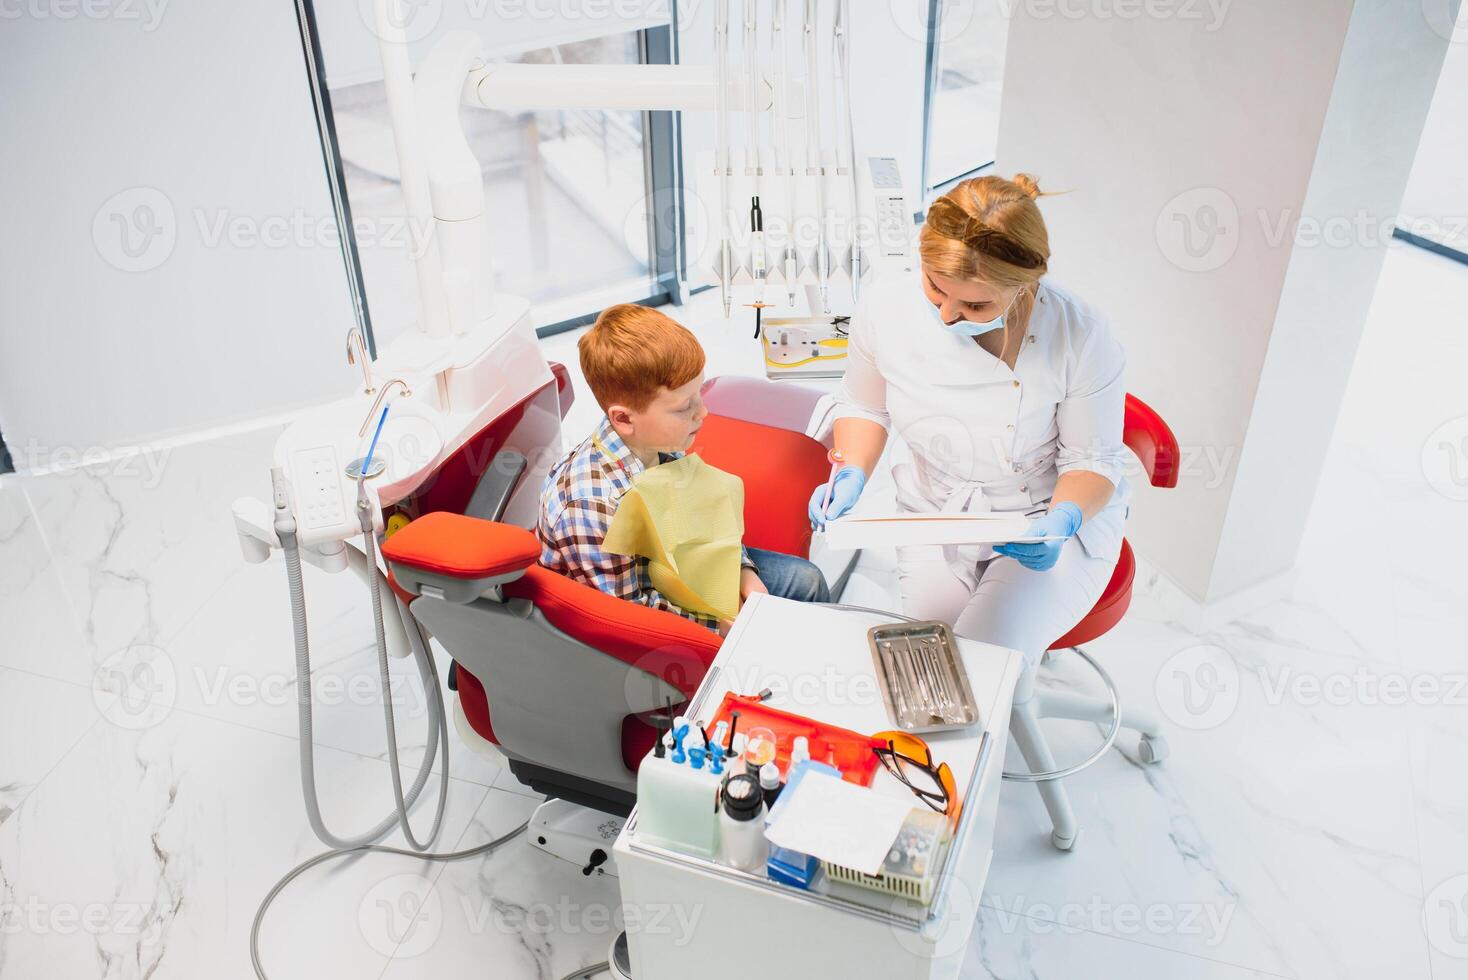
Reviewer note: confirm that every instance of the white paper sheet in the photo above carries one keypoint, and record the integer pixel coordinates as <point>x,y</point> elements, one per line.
<point>840,822</point>
<point>890,530</point>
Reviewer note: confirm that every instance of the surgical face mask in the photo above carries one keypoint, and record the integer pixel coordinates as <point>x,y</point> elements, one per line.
<point>967,328</point>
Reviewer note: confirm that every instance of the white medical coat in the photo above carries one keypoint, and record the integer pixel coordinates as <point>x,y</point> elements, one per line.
<point>982,436</point>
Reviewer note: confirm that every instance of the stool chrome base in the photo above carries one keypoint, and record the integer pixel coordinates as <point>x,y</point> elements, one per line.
<point>1024,726</point>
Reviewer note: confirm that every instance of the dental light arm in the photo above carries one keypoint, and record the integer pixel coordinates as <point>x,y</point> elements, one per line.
<point>392,46</point>
<point>655,88</point>
<point>455,181</point>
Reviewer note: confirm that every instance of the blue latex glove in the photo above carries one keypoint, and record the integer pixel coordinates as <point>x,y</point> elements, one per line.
<point>1061,523</point>
<point>845,489</point>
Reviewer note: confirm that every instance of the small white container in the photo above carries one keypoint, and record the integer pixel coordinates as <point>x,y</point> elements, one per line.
<point>675,807</point>
<point>742,824</point>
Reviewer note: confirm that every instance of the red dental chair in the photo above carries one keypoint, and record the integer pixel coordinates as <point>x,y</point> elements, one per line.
<point>566,680</point>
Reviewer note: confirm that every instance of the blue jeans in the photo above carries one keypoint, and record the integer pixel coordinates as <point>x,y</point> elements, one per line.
<point>789,577</point>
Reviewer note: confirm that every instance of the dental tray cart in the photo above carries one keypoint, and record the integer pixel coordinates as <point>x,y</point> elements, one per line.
<point>689,916</point>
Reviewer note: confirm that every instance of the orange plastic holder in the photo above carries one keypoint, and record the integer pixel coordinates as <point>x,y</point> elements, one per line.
<point>849,751</point>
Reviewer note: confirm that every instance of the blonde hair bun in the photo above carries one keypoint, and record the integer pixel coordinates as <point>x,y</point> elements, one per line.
<point>1028,184</point>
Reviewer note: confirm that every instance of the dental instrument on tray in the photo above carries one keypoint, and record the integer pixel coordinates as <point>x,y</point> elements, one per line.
<point>923,681</point>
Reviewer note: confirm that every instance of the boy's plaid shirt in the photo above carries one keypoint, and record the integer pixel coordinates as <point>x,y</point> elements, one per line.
<point>581,494</point>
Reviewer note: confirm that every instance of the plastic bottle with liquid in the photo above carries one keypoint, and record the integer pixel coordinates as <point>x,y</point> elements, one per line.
<point>742,824</point>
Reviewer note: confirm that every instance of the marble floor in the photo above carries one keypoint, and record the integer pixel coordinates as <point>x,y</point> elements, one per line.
<point>1312,821</point>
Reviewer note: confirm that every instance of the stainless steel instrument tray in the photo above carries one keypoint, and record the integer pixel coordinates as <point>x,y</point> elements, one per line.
<point>921,676</point>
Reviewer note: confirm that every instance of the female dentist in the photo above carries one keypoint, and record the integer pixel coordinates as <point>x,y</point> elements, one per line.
<point>1008,394</point>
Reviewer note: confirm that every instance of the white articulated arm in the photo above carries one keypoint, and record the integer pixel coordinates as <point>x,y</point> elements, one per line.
<point>454,179</point>
<point>655,88</point>
<point>397,76</point>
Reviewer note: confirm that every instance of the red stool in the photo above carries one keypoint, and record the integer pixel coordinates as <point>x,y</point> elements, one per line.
<point>1147,435</point>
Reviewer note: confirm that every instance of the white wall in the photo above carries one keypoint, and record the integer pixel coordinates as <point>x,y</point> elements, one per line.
<point>1383,86</point>
<point>1436,203</point>
<point>1189,142</point>
<point>203,115</point>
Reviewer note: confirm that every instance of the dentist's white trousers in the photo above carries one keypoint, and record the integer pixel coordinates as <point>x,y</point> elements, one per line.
<point>1013,606</point>
<point>1018,608</point>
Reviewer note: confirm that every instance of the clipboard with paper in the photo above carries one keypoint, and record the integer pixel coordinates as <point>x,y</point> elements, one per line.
<point>899,528</point>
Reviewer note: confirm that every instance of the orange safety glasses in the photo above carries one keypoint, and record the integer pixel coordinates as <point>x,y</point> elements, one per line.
<point>909,759</point>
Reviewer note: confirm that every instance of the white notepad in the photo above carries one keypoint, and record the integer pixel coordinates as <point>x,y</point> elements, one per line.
<point>839,822</point>
<point>893,529</point>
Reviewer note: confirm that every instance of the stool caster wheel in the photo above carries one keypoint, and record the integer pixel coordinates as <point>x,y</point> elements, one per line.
<point>1064,843</point>
<point>1152,749</point>
<point>619,961</point>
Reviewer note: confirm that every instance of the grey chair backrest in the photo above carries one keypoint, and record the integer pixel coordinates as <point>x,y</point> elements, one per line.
<point>554,701</point>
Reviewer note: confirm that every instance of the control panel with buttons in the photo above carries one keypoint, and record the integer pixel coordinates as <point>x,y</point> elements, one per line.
<point>894,217</point>
<point>318,486</point>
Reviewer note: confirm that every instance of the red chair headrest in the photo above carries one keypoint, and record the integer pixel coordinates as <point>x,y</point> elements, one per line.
<point>462,547</point>
<point>779,469</point>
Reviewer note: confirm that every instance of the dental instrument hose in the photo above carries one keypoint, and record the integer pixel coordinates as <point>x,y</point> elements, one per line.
<point>285,529</point>
<point>435,700</point>
<point>365,843</point>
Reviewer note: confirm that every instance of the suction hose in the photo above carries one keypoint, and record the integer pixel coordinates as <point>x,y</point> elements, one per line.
<point>429,672</point>
<point>285,529</point>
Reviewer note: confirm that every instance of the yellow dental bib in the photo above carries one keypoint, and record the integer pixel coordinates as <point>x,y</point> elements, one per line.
<point>687,519</point>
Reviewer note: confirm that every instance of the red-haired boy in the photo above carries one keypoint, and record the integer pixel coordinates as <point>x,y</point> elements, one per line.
<point>646,372</point>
